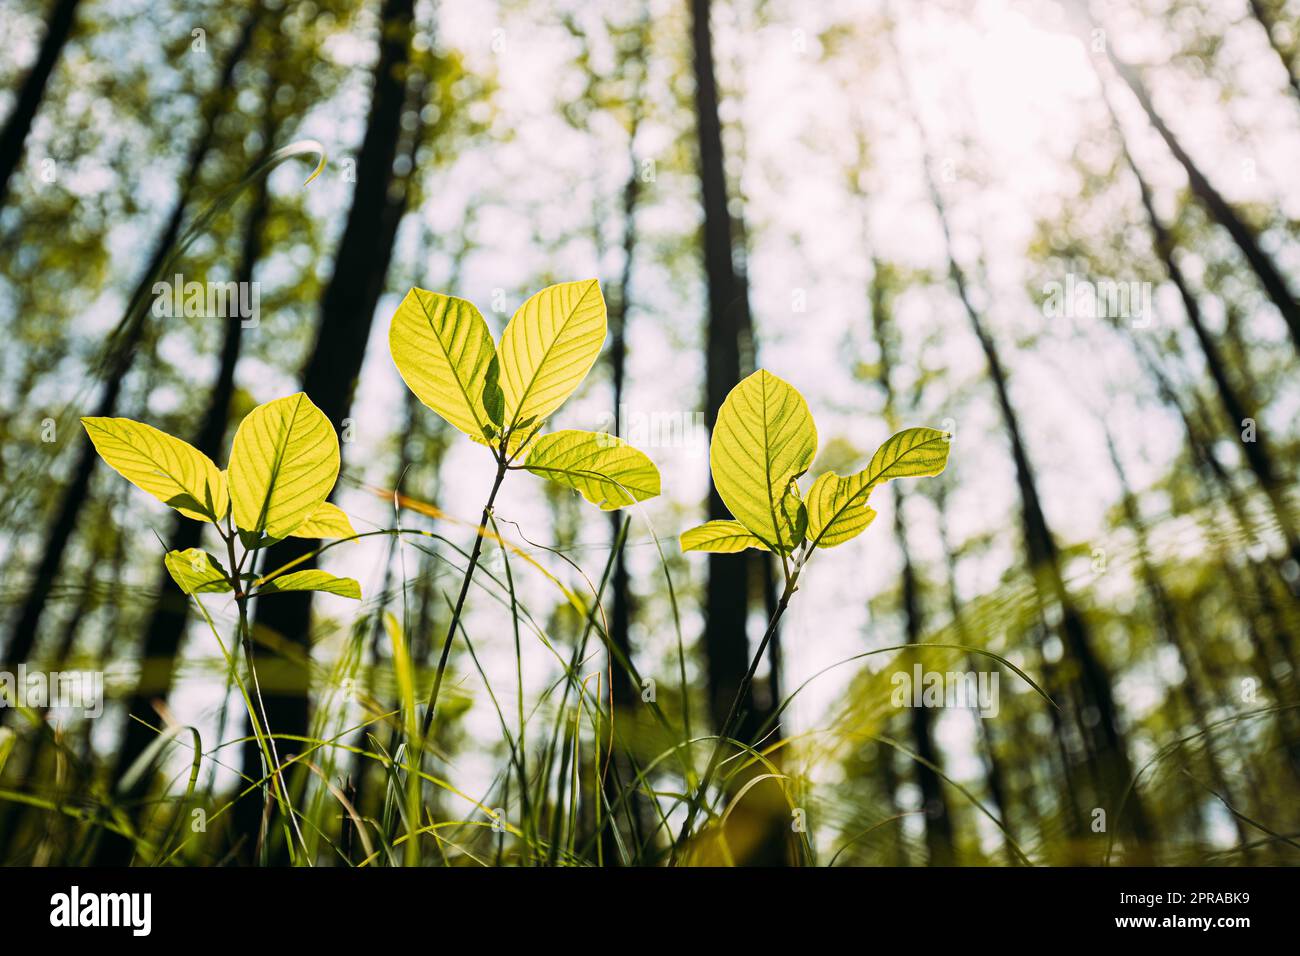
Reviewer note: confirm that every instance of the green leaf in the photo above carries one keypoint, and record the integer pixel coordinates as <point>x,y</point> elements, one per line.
<point>603,468</point>
<point>548,348</point>
<point>327,521</point>
<point>763,440</point>
<point>912,453</point>
<point>837,506</point>
<point>313,579</point>
<point>722,537</point>
<point>195,571</point>
<point>7,740</point>
<point>173,471</point>
<point>442,348</point>
<point>494,400</point>
<point>838,509</point>
<point>255,540</point>
<point>283,465</point>
<point>404,671</point>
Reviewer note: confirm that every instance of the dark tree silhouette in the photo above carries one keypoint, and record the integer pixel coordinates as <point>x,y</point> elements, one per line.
<point>1243,233</point>
<point>1268,22</point>
<point>32,91</point>
<point>329,379</point>
<point>1107,755</point>
<point>938,819</point>
<point>160,644</point>
<point>726,607</point>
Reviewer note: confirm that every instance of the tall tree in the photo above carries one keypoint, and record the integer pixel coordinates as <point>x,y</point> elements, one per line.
<point>330,376</point>
<point>32,91</point>
<point>994,771</point>
<point>1221,211</point>
<point>1169,626</point>
<point>625,696</point>
<point>164,632</point>
<point>726,607</point>
<point>1108,760</point>
<point>1268,20</point>
<point>1236,406</point>
<point>938,819</point>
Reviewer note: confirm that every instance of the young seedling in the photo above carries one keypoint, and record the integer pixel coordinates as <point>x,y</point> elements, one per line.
<point>283,465</point>
<point>500,395</point>
<point>763,442</point>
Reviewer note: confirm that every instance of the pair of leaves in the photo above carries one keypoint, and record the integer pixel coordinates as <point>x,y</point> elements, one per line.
<point>195,571</point>
<point>763,442</point>
<point>444,351</point>
<point>283,465</point>
<point>501,394</point>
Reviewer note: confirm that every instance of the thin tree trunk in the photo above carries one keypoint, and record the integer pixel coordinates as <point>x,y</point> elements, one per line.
<point>624,695</point>
<point>1257,452</point>
<point>938,818</point>
<point>1108,760</point>
<point>730,352</point>
<point>19,123</point>
<point>1268,23</point>
<point>1242,233</point>
<point>994,773</point>
<point>1171,630</point>
<point>939,843</point>
<point>1267,630</point>
<point>329,379</point>
<point>165,631</point>
<point>726,645</point>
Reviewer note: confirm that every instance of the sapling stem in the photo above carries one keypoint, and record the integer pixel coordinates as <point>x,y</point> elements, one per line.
<point>733,714</point>
<point>265,740</point>
<point>502,465</point>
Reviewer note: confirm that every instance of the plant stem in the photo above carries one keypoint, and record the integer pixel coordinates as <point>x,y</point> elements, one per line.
<point>460,602</point>
<point>733,715</point>
<point>265,740</point>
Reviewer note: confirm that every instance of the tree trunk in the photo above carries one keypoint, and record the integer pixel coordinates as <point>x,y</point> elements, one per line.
<point>726,645</point>
<point>329,379</point>
<point>1170,628</point>
<point>939,844</point>
<point>1242,233</point>
<point>1098,718</point>
<point>1267,631</point>
<point>1268,23</point>
<point>165,631</point>
<point>1257,452</point>
<point>994,772</point>
<point>624,696</point>
<point>730,354</point>
<point>938,820</point>
<point>19,123</point>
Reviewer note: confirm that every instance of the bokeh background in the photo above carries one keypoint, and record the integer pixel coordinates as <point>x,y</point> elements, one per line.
<point>871,200</point>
